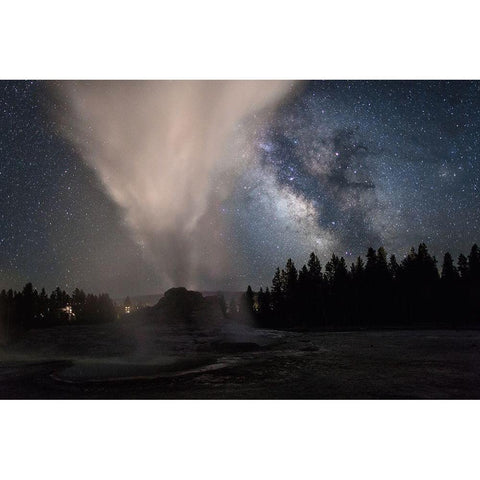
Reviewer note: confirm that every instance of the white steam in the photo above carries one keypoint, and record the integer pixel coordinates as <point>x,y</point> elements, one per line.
<point>158,148</point>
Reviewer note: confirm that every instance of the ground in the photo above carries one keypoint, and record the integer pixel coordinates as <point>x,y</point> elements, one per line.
<point>132,359</point>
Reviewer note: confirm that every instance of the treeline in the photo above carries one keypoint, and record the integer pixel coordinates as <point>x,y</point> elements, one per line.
<point>21,311</point>
<point>378,292</point>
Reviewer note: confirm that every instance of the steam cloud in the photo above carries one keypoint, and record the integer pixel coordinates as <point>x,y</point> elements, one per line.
<point>160,149</point>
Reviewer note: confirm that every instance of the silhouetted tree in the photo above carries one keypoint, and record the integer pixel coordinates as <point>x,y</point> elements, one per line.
<point>247,302</point>
<point>449,271</point>
<point>105,308</point>
<point>371,266</point>
<point>375,294</point>
<point>277,291</point>
<point>336,271</point>
<point>383,272</point>
<point>27,306</point>
<point>314,269</point>
<point>393,267</point>
<point>474,263</point>
<point>463,266</point>
<point>78,304</point>
<point>291,279</point>
<point>357,270</point>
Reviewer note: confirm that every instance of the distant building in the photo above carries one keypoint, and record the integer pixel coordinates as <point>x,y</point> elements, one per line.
<point>127,306</point>
<point>67,313</point>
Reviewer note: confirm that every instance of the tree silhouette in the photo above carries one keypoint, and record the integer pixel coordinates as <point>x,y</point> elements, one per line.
<point>449,271</point>
<point>376,293</point>
<point>393,267</point>
<point>21,311</point>
<point>463,266</point>
<point>277,291</point>
<point>247,302</point>
<point>474,263</point>
<point>314,269</point>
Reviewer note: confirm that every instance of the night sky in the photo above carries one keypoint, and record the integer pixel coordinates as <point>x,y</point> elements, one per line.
<point>334,166</point>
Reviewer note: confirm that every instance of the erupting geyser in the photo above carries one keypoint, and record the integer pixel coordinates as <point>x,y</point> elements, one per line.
<point>159,149</point>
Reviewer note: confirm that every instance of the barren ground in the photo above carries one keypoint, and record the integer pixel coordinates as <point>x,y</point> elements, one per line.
<point>146,360</point>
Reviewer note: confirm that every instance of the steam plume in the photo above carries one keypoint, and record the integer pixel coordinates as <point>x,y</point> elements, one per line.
<point>160,148</point>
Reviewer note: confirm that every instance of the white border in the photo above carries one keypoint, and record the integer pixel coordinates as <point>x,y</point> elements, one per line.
<point>249,39</point>
<point>304,39</point>
<point>239,439</point>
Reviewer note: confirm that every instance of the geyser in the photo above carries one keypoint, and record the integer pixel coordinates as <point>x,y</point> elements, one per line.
<point>159,148</point>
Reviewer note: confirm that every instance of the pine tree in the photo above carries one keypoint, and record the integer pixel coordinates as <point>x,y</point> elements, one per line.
<point>249,300</point>
<point>382,271</point>
<point>393,266</point>
<point>303,278</point>
<point>314,268</point>
<point>427,265</point>
<point>372,260</point>
<point>463,266</point>
<point>277,291</point>
<point>291,278</point>
<point>449,271</point>
<point>28,305</point>
<point>78,304</point>
<point>358,269</point>
<point>474,263</point>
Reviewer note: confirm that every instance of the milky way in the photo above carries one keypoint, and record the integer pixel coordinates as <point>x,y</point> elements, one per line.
<point>336,166</point>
